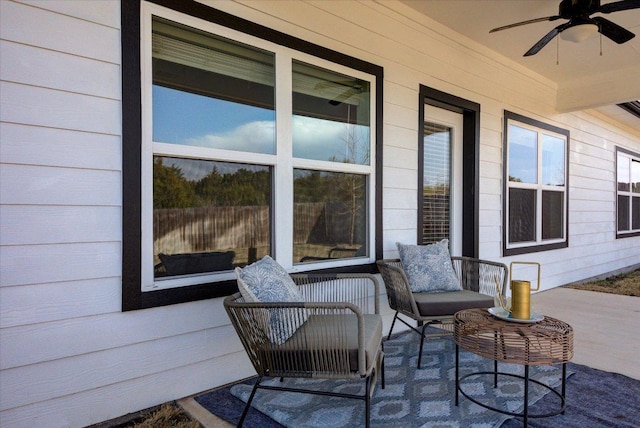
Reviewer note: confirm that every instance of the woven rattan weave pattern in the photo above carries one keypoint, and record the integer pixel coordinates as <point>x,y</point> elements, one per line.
<point>549,341</point>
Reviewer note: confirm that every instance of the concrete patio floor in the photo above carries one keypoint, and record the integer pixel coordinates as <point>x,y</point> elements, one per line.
<point>606,335</point>
<point>606,327</point>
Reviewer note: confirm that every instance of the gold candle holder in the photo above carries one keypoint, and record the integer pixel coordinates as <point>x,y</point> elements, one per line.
<point>521,293</point>
<point>521,299</point>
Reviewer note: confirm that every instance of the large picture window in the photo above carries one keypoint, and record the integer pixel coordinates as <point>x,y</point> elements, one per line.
<point>628,193</point>
<point>536,183</point>
<point>249,147</point>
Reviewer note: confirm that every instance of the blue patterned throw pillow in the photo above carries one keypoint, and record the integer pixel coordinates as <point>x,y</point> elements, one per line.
<point>428,267</point>
<point>268,282</point>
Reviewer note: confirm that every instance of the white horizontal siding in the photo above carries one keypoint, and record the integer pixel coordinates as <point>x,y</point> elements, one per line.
<point>77,336</point>
<point>63,225</point>
<point>41,264</point>
<point>78,373</point>
<point>397,137</point>
<point>74,27</point>
<point>55,70</point>
<point>396,157</point>
<point>400,178</point>
<point>69,356</point>
<point>33,145</point>
<point>52,108</point>
<point>404,199</point>
<point>41,303</point>
<point>135,394</point>
<point>578,194</point>
<point>38,185</point>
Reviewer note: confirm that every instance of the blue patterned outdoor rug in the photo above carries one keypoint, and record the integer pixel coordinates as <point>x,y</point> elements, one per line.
<point>411,398</point>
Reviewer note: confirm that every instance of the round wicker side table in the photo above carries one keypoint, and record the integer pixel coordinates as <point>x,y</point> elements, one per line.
<point>546,342</point>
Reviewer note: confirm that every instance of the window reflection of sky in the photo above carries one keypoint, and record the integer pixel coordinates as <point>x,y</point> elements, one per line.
<point>185,118</point>
<point>328,140</point>
<point>523,158</point>
<point>624,173</point>
<point>635,176</point>
<point>552,161</point>
<point>195,120</point>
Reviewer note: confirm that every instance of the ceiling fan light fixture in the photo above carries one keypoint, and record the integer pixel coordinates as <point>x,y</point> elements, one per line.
<point>579,33</point>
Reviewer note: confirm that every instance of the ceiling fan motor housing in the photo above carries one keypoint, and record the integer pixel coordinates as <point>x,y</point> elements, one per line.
<point>572,8</point>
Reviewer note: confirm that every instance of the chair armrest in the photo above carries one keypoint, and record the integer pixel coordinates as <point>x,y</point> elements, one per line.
<point>399,292</point>
<point>360,289</point>
<point>481,275</point>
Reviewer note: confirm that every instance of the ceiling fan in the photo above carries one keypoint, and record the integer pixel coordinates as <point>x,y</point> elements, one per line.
<point>581,25</point>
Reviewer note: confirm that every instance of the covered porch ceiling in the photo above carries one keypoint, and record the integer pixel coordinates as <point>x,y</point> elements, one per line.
<point>585,79</point>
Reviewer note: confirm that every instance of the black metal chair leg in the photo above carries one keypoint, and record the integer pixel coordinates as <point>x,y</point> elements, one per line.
<point>246,408</point>
<point>421,345</point>
<point>564,386</point>
<point>367,400</point>
<point>395,317</point>
<point>457,372</point>
<point>382,366</point>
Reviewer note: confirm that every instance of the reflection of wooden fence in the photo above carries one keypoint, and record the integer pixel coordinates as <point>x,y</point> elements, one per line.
<point>202,229</point>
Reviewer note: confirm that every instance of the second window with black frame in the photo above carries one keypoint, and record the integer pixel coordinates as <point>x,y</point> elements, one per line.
<point>535,212</point>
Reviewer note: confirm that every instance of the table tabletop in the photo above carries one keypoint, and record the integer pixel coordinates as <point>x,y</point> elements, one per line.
<point>549,341</point>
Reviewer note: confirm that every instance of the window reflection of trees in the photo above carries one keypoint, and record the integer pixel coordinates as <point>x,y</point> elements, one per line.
<point>228,209</point>
<point>330,215</point>
<point>220,211</point>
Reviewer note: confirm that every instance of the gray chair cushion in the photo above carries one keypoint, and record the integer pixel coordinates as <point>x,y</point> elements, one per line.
<point>317,333</point>
<point>450,302</point>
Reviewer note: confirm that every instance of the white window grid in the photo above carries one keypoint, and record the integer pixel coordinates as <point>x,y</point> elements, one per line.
<point>282,162</point>
<point>630,194</point>
<point>538,187</point>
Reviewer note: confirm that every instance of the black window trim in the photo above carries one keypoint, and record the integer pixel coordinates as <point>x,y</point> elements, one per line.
<point>471,159</point>
<point>132,296</point>
<point>636,155</point>
<point>508,115</point>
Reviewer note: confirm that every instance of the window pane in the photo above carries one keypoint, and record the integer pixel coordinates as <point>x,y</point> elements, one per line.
<point>208,216</point>
<point>552,215</point>
<point>522,215</point>
<point>330,116</point>
<point>330,218</point>
<point>436,183</point>
<point>635,213</point>
<point>635,176</point>
<point>624,173</point>
<point>211,92</point>
<point>553,162</point>
<point>623,213</point>
<point>523,155</point>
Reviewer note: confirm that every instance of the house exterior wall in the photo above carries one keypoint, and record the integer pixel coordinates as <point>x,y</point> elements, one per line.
<point>68,355</point>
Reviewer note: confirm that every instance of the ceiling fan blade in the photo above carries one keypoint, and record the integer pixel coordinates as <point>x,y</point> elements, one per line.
<point>619,5</point>
<point>613,31</point>
<point>546,39</point>
<point>344,96</point>
<point>530,21</point>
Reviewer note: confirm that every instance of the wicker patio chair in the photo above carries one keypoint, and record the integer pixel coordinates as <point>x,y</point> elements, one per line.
<point>340,334</point>
<point>478,281</point>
